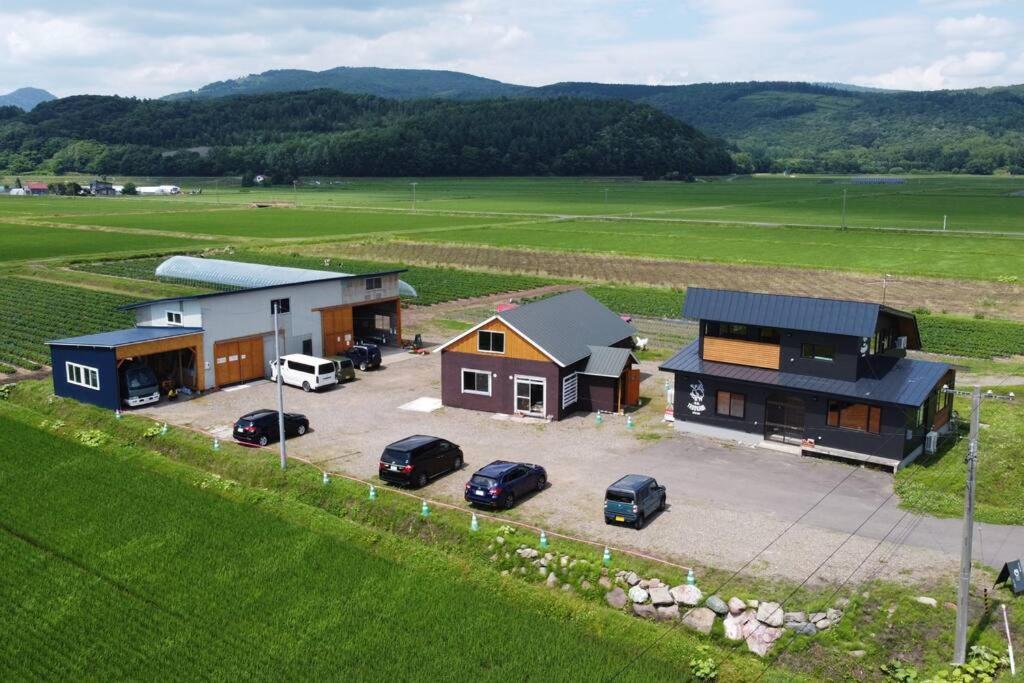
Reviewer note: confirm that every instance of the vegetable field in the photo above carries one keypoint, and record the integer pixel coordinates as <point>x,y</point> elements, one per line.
<point>650,302</point>
<point>971,337</point>
<point>32,313</point>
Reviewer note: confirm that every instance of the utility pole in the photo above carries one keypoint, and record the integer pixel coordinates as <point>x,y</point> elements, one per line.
<point>945,222</point>
<point>885,287</point>
<point>606,195</point>
<point>960,643</point>
<point>413,196</point>
<point>844,210</point>
<point>280,390</point>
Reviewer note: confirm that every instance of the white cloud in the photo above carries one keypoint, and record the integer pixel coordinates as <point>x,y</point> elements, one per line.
<point>977,27</point>
<point>973,69</point>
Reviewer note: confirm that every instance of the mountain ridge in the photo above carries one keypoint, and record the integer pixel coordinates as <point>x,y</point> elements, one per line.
<point>26,98</point>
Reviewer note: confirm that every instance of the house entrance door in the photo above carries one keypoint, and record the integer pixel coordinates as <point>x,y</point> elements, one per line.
<point>784,418</point>
<point>530,396</point>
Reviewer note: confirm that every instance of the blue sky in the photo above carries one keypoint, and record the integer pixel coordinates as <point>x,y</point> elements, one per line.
<point>149,49</point>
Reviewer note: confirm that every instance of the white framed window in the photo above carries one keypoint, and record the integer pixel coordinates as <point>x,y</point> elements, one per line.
<point>173,317</point>
<point>82,375</point>
<point>490,342</point>
<point>476,382</point>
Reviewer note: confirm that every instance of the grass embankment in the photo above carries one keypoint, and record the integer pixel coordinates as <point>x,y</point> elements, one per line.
<point>216,564</point>
<point>935,484</point>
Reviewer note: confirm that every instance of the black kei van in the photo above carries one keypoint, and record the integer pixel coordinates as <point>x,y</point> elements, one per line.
<point>416,459</point>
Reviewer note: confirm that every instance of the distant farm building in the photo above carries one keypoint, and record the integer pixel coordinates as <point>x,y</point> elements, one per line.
<point>35,188</point>
<point>877,180</point>
<point>101,188</point>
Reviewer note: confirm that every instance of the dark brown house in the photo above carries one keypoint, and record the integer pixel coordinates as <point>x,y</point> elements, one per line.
<point>546,359</point>
<point>821,376</point>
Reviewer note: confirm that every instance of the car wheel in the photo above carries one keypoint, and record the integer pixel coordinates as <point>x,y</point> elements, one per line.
<point>421,480</point>
<point>263,441</point>
<point>639,523</point>
<point>306,387</point>
<point>664,503</point>
<point>457,463</point>
<point>509,501</point>
<point>362,366</point>
<point>301,430</point>
<point>541,483</point>
<point>607,521</point>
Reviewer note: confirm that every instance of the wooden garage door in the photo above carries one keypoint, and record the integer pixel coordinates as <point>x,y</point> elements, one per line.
<point>239,360</point>
<point>337,327</point>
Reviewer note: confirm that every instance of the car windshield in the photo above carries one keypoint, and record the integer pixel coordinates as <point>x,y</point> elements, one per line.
<point>619,497</point>
<point>390,455</point>
<point>326,368</point>
<point>482,482</point>
<point>141,377</point>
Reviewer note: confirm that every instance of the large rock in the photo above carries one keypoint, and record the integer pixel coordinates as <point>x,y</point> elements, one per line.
<point>770,613</point>
<point>687,595</point>
<point>833,615</point>
<point>823,624</point>
<point>645,611</point>
<point>700,619</point>
<point>816,617</point>
<point>616,598</point>
<point>762,640</point>
<point>637,594</point>
<point>734,624</point>
<point>669,613</point>
<point>716,605</point>
<point>660,596</point>
<point>631,579</point>
<point>794,617</point>
<point>737,606</point>
<point>925,600</point>
<point>805,629</point>
<point>604,582</point>
<point>552,580</point>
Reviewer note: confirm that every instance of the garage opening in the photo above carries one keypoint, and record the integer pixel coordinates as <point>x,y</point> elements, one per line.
<point>161,367</point>
<point>378,323</point>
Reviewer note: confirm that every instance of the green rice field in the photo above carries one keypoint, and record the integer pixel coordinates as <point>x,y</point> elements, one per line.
<point>20,242</point>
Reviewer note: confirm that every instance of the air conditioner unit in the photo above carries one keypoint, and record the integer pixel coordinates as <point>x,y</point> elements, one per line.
<point>931,442</point>
<point>901,342</point>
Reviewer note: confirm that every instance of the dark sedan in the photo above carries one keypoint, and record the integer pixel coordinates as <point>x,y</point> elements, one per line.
<point>502,483</point>
<point>260,427</point>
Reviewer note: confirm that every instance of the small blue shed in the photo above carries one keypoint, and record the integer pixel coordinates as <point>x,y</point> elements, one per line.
<point>86,368</point>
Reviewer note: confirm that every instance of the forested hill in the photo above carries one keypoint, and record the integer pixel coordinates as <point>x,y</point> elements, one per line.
<point>777,126</point>
<point>806,128</point>
<point>325,132</point>
<point>401,84</point>
<point>25,98</point>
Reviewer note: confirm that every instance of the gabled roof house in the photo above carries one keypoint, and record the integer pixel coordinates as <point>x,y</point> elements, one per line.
<point>824,376</point>
<point>544,359</point>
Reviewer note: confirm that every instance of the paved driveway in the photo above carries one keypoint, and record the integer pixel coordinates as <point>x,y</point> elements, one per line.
<point>728,502</point>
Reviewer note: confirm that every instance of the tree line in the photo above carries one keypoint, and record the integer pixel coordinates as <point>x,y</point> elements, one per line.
<point>288,135</point>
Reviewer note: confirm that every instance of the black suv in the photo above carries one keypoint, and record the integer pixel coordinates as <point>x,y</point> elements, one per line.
<point>416,459</point>
<point>260,426</point>
<point>632,499</point>
<point>365,356</point>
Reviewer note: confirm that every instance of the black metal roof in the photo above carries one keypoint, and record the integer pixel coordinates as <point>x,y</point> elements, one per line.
<point>783,311</point>
<point>899,381</point>
<point>566,325</point>
<point>607,361</point>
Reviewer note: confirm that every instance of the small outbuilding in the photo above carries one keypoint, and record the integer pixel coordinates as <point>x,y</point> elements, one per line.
<point>546,359</point>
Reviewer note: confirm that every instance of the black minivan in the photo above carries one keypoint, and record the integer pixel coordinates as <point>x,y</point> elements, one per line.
<point>416,459</point>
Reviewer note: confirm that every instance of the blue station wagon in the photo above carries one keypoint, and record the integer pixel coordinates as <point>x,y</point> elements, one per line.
<point>502,483</point>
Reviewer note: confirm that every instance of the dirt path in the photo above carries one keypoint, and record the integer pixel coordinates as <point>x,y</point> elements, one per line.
<point>963,297</point>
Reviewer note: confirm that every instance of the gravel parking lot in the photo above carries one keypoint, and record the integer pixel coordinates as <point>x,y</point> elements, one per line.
<point>727,502</point>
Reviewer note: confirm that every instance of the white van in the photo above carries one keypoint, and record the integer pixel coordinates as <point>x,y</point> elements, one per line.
<point>309,372</point>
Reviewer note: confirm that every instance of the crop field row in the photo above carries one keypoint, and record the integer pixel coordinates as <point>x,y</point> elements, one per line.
<point>32,313</point>
<point>971,337</point>
<point>944,256</point>
<point>283,222</point>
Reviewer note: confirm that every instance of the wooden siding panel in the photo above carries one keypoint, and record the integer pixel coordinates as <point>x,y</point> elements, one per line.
<point>148,348</point>
<point>515,346</point>
<point>740,352</point>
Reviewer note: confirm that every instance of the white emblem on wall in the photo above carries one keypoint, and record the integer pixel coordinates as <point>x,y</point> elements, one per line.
<point>696,404</point>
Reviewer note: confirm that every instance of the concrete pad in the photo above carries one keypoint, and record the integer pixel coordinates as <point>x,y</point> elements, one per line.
<point>424,404</point>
